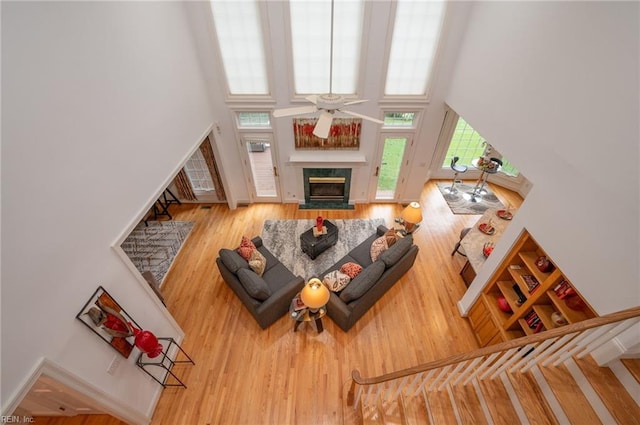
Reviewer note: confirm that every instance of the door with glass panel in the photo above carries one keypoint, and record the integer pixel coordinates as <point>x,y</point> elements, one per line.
<point>260,164</point>
<point>391,168</point>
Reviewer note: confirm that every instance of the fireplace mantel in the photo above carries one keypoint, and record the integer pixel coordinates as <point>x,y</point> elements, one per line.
<point>327,157</point>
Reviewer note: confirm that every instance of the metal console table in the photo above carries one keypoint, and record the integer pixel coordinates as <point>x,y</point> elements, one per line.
<point>165,364</point>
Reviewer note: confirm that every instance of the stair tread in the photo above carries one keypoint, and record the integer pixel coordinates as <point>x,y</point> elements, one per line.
<point>468,405</point>
<point>533,403</point>
<point>633,365</point>
<point>415,410</point>
<point>441,408</point>
<point>569,395</point>
<point>612,393</point>
<point>498,402</point>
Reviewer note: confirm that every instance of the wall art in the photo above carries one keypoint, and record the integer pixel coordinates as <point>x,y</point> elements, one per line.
<point>104,316</point>
<point>344,134</point>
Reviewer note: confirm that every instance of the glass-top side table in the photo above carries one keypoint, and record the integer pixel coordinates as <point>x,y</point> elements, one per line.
<point>301,313</point>
<point>163,365</point>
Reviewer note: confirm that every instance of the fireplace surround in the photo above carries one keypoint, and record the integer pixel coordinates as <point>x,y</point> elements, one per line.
<point>326,188</point>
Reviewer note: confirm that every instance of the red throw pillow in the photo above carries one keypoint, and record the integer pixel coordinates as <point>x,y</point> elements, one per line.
<point>351,269</point>
<point>246,248</point>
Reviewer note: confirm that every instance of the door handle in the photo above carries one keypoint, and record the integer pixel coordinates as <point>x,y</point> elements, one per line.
<point>275,171</point>
<point>377,171</point>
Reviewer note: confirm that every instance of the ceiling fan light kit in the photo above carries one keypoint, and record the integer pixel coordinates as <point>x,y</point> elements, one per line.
<point>327,103</point>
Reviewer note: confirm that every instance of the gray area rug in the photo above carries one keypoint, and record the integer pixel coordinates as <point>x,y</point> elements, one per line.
<point>153,247</point>
<point>460,204</point>
<point>282,238</point>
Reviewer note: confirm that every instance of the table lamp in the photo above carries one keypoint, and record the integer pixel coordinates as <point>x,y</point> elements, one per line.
<point>314,294</point>
<point>411,215</point>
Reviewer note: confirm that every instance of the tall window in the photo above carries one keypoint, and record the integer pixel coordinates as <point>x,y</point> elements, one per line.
<point>198,172</point>
<point>467,144</point>
<point>310,39</point>
<point>415,38</point>
<point>239,32</point>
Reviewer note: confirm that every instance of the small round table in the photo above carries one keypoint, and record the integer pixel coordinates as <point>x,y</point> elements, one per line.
<point>487,168</point>
<point>301,313</point>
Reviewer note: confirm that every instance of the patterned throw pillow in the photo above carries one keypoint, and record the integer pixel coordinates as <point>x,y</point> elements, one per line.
<point>391,237</point>
<point>257,262</point>
<point>246,248</point>
<point>336,280</point>
<point>351,269</point>
<point>378,247</point>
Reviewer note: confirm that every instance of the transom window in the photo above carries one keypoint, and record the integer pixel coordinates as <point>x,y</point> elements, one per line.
<point>310,40</point>
<point>400,119</point>
<point>253,120</point>
<point>239,32</point>
<point>467,144</point>
<point>415,38</point>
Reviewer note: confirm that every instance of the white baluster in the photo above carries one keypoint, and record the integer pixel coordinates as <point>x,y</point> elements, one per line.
<point>482,367</point>
<point>451,375</point>
<point>440,375</point>
<point>470,367</point>
<point>621,327</point>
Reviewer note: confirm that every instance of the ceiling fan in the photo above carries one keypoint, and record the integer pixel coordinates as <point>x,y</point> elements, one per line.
<point>328,104</point>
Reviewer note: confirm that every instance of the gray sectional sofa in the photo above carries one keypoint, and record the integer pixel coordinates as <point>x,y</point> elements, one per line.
<point>268,297</point>
<point>346,307</point>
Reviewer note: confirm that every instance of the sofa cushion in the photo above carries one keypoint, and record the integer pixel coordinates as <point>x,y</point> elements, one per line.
<point>378,247</point>
<point>351,269</point>
<point>336,280</point>
<point>363,282</point>
<point>246,248</point>
<point>257,262</point>
<point>232,260</point>
<point>397,251</point>
<point>254,284</point>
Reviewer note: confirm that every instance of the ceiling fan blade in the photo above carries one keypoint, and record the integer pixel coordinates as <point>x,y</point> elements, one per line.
<point>355,114</point>
<point>323,125</point>
<point>299,110</point>
<point>355,102</point>
<point>312,98</point>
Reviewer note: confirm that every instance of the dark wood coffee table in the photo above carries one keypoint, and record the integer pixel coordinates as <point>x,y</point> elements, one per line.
<point>314,246</point>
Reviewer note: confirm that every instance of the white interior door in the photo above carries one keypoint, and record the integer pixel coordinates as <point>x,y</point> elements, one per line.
<point>260,164</point>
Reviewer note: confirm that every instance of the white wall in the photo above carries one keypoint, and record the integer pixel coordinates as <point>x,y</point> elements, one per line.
<point>101,103</point>
<point>554,86</point>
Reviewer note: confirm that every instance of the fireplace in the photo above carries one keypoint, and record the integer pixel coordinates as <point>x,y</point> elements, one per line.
<point>326,188</point>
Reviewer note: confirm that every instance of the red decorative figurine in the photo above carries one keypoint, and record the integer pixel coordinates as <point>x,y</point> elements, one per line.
<point>147,342</point>
<point>319,222</point>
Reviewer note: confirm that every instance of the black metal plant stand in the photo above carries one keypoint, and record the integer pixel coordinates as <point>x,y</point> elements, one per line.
<point>165,363</point>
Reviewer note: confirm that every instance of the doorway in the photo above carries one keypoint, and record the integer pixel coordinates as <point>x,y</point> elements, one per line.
<point>260,159</point>
<point>392,159</point>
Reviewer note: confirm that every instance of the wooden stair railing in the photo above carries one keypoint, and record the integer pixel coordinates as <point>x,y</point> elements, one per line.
<point>551,347</point>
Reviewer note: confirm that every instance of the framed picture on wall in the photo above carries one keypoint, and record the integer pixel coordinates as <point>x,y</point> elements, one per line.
<point>344,134</point>
<point>107,319</point>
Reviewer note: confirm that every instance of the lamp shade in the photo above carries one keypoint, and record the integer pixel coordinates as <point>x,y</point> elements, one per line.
<point>412,213</point>
<point>314,294</point>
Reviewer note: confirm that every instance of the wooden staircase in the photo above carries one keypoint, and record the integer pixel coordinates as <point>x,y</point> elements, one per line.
<point>540,379</point>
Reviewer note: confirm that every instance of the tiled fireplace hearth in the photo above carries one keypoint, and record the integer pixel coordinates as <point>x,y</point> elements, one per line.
<point>326,188</point>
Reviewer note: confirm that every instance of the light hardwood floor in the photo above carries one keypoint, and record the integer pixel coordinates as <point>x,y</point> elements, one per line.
<point>246,375</point>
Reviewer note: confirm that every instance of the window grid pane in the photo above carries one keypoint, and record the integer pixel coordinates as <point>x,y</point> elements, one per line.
<point>399,119</point>
<point>198,172</point>
<point>415,37</point>
<point>253,119</point>
<point>240,40</point>
<point>467,144</point>
<point>310,39</point>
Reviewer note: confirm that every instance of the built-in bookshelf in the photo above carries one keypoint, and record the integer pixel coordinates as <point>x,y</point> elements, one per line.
<point>526,295</point>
